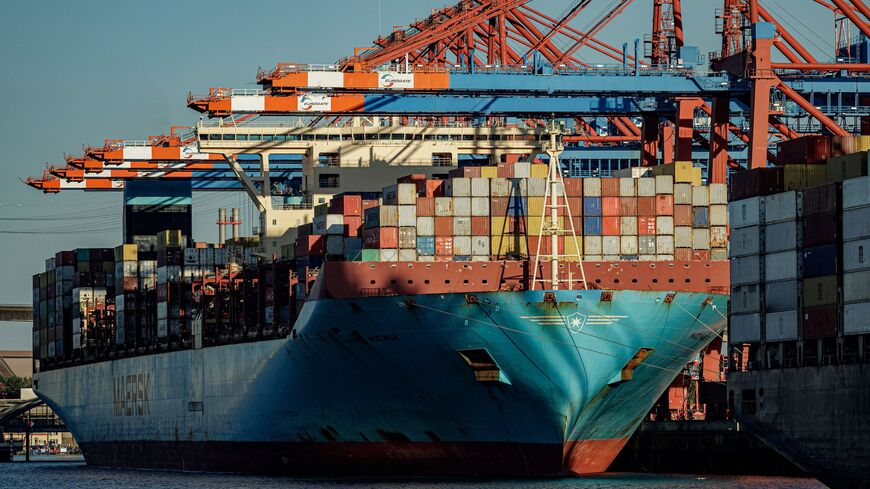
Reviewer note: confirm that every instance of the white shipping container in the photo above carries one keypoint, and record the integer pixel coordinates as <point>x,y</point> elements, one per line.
<point>664,245</point>
<point>480,245</point>
<point>746,212</point>
<point>856,286</point>
<point>407,215</point>
<point>746,299</point>
<point>610,245</point>
<point>718,194</point>
<point>627,187</point>
<point>627,226</point>
<point>409,254</point>
<point>610,257</point>
<point>856,255</point>
<point>745,241</point>
<point>537,187</point>
<point>462,206</point>
<point>646,187</point>
<point>479,187</point>
<point>856,223</point>
<point>591,187</point>
<point>646,257</point>
<point>522,169</point>
<point>785,206</point>
<point>718,215</point>
<point>443,207</point>
<point>77,341</point>
<point>856,318</point>
<point>427,258</point>
<point>746,270</point>
<point>628,245</point>
<point>700,197</point>
<point>664,184</point>
<point>461,245</point>
<point>782,296</point>
<point>459,187</point>
<point>389,254</point>
<point>425,226</point>
<point>389,216</point>
<point>592,245</point>
<point>782,236</point>
<point>781,326</point>
<point>856,192</point>
<point>593,258</point>
<point>461,227</point>
<point>664,225</point>
<point>781,266</point>
<point>701,239</point>
<point>407,193</point>
<point>744,328</point>
<point>682,236</point>
<point>480,206</point>
<point>500,187</point>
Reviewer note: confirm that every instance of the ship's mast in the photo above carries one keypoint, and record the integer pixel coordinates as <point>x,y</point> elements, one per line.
<point>554,199</point>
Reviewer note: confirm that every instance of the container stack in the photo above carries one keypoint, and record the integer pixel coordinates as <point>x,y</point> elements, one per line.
<point>126,287</point>
<point>856,256</point>
<point>170,260</point>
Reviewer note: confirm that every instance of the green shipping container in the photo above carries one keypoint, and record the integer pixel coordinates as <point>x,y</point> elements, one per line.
<point>371,255</point>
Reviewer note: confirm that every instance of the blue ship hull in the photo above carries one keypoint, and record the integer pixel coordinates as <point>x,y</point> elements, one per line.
<point>395,385</point>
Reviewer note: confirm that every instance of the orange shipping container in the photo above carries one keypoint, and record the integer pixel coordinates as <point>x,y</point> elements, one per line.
<point>480,226</point>
<point>498,206</point>
<point>434,188</point>
<point>646,206</point>
<point>665,205</point>
<point>646,225</point>
<point>546,246</point>
<point>682,215</point>
<point>369,203</point>
<point>444,246</point>
<point>353,226</point>
<point>573,187</point>
<point>609,206</point>
<point>610,226</point>
<point>610,187</point>
<point>683,254</point>
<point>443,226</point>
<point>628,206</point>
<point>425,206</point>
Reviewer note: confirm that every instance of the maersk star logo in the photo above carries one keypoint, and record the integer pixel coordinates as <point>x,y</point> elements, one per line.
<point>576,322</point>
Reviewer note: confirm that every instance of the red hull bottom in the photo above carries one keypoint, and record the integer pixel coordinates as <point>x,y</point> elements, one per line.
<point>367,459</point>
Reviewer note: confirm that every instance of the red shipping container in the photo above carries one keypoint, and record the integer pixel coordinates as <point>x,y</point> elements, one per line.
<point>546,246</point>
<point>701,255</point>
<point>628,206</point>
<point>369,203</point>
<point>821,322</point>
<point>348,205</point>
<point>683,254</point>
<point>757,181</point>
<point>805,150</point>
<point>480,226</point>
<point>353,226</point>
<point>434,188</point>
<point>498,206</point>
<point>575,205</point>
<point>412,178</point>
<point>465,172</point>
<point>444,246</point>
<point>610,187</point>
<point>646,225</point>
<point>443,226</point>
<point>425,206</point>
<point>573,187</point>
<point>578,225</point>
<point>311,245</point>
<point>682,215</point>
<point>609,206</point>
<point>505,170</point>
<point>511,158</point>
<point>646,206</point>
<point>381,238</point>
<point>664,205</point>
<point>610,226</point>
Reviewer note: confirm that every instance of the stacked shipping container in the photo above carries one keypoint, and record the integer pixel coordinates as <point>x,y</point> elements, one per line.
<point>856,261</point>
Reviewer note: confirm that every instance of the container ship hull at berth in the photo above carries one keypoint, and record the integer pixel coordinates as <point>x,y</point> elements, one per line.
<point>469,378</point>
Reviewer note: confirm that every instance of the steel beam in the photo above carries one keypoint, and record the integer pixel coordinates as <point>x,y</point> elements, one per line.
<point>16,313</point>
<point>717,171</point>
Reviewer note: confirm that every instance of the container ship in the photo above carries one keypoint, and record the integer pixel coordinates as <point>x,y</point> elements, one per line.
<point>501,320</point>
<point>800,307</point>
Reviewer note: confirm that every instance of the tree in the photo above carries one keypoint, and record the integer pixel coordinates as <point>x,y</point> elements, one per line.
<point>10,387</point>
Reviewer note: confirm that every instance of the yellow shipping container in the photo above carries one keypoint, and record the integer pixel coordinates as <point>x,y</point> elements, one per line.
<point>535,223</point>
<point>799,177</point>
<point>504,245</point>
<point>572,251</point>
<point>845,145</point>
<point>841,168</point>
<point>820,291</point>
<point>126,252</point>
<point>696,177</point>
<point>535,206</point>
<point>539,171</point>
<point>169,239</point>
<point>502,224</point>
<point>682,171</point>
<point>489,172</point>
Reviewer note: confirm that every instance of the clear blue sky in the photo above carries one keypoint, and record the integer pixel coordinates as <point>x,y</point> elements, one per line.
<point>74,73</point>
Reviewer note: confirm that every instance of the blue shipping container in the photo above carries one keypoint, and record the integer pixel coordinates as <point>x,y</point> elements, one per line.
<point>592,226</point>
<point>701,217</point>
<point>462,258</point>
<point>516,206</point>
<point>372,217</point>
<point>426,245</point>
<point>820,261</point>
<point>592,206</point>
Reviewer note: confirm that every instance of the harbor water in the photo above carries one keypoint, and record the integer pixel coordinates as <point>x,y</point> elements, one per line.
<point>74,474</point>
